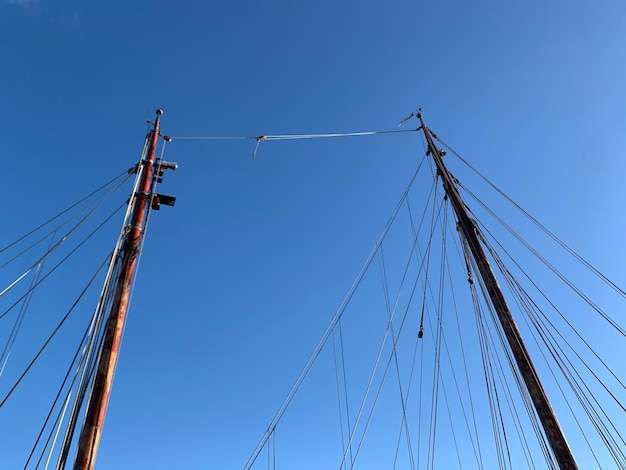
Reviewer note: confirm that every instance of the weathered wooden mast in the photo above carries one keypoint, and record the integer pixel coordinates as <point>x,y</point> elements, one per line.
<point>99,397</point>
<point>544,410</point>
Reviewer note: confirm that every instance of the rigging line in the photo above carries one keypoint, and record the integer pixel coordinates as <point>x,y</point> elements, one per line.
<point>484,354</point>
<point>337,383</point>
<point>524,394</point>
<point>423,268</point>
<point>335,318</point>
<point>390,315</point>
<point>540,322</point>
<point>475,445</point>
<point>292,136</point>
<point>54,248</point>
<point>489,375</point>
<point>347,134</point>
<point>376,398</point>
<point>66,210</point>
<point>380,351</point>
<point>553,268</point>
<point>577,386</point>
<point>211,137</point>
<point>345,384</point>
<point>62,260</point>
<point>54,332</point>
<point>91,351</point>
<point>477,448</point>
<point>454,439</point>
<point>420,402</point>
<point>420,344</point>
<point>487,362</point>
<point>433,225</point>
<point>428,249</point>
<point>507,396</point>
<point>56,435</point>
<point>443,385</point>
<point>366,395</point>
<point>561,243</point>
<point>62,386</point>
<point>438,341</point>
<point>4,357</point>
<point>523,303</point>
<point>563,317</point>
<point>94,347</point>
<point>425,261</point>
<point>274,453</point>
<point>449,356</point>
<point>55,230</point>
<point>558,332</point>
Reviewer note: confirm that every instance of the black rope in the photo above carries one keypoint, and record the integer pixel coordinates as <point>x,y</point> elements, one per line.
<point>62,260</point>
<point>68,373</point>
<point>126,173</point>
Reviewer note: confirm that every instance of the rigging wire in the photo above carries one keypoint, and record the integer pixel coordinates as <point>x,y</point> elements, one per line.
<point>437,350</point>
<point>74,250</point>
<point>62,386</point>
<point>4,357</point>
<point>56,246</point>
<point>341,430</point>
<point>95,346</point>
<point>540,322</point>
<point>558,332</point>
<point>553,268</point>
<point>390,315</point>
<point>262,138</point>
<point>325,336</point>
<point>91,351</point>
<point>453,298</point>
<point>561,243</point>
<point>436,215</point>
<point>497,370</point>
<point>39,282</point>
<point>126,174</point>
<point>291,136</point>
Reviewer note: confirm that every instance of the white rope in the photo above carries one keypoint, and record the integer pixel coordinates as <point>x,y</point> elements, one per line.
<point>291,136</point>
<point>212,138</point>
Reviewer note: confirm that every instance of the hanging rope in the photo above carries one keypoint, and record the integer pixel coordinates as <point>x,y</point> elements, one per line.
<point>292,136</point>
<point>262,138</point>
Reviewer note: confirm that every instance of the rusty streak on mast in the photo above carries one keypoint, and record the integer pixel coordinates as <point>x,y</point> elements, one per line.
<point>96,407</point>
<point>551,427</point>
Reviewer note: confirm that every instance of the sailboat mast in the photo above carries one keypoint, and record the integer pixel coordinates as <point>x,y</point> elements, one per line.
<point>96,407</point>
<point>544,410</point>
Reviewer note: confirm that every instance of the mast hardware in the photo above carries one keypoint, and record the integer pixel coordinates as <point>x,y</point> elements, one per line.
<point>162,165</point>
<point>162,199</point>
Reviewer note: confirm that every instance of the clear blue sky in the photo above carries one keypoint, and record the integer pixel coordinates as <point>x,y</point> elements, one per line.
<point>239,280</point>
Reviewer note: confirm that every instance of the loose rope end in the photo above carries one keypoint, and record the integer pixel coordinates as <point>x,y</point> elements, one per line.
<point>259,139</point>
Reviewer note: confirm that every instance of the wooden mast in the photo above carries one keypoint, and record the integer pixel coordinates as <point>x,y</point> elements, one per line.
<point>544,410</point>
<point>96,407</point>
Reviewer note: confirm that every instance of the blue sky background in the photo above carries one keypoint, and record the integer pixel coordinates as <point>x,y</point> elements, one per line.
<point>239,280</point>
